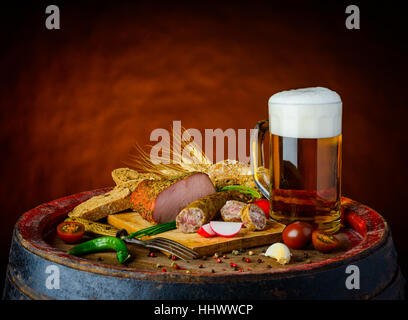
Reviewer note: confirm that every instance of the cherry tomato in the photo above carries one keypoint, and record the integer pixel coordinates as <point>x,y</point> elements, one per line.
<point>264,205</point>
<point>324,242</point>
<point>297,234</point>
<point>70,231</point>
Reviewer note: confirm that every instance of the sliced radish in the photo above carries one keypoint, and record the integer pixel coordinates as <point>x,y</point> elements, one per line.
<point>226,229</point>
<point>206,231</point>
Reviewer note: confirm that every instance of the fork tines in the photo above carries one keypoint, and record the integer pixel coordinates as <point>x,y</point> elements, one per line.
<point>173,247</point>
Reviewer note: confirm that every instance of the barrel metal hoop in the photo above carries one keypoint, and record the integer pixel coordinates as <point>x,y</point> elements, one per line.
<point>25,290</point>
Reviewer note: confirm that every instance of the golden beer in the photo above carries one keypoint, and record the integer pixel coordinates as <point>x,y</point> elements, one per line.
<point>305,180</point>
<point>305,144</point>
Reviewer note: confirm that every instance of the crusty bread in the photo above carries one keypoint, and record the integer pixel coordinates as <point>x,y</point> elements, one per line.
<point>122,176</point>
<point>116,200</point>
<point>101,206</point>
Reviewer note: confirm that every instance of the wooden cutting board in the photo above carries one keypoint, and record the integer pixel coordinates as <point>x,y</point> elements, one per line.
<point>132,222</point>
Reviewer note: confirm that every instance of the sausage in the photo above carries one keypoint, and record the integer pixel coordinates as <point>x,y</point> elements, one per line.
<point>254,217</point>
<point>160,201</point>
<point>231,211</point>
<point>202,211</point>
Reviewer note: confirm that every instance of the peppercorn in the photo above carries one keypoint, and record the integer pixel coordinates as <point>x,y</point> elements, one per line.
<point>212,270</point>
<point>259,260</point>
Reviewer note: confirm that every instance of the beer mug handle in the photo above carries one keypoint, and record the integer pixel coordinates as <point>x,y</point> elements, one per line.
<point>257,155</point>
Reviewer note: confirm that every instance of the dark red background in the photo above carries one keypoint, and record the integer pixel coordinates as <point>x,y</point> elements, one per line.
<point>74,101</point>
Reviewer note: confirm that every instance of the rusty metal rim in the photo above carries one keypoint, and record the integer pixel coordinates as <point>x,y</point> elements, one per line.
<point>45,251</point>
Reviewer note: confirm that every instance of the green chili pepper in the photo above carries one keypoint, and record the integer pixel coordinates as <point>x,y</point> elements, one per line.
<point>100,244</point>
<point>242,189</point>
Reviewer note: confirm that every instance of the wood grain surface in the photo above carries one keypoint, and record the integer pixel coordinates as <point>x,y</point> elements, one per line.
<point>132,222</point>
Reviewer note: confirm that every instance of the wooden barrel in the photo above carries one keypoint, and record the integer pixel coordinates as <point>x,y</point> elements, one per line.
<point>34,259</point>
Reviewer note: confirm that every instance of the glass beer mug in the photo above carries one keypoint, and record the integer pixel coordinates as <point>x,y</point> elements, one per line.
<point>304,178</point>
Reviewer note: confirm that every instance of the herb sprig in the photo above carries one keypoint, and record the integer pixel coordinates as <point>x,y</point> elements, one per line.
<point>150,231</point>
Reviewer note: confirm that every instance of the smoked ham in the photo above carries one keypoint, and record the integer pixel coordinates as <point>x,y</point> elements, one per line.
<point>159,201</point>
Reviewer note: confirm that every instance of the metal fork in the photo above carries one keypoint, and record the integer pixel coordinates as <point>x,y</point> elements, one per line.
<point>166,245</point>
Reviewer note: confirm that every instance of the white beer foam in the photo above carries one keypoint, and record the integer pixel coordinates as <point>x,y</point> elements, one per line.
<point>305,113</point>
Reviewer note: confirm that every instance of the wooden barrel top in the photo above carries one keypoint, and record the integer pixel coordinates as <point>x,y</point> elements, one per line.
<point>36,232</point>
<point>309,275</point>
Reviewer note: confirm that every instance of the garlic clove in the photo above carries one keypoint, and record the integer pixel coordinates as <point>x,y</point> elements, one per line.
<point>280,252</point>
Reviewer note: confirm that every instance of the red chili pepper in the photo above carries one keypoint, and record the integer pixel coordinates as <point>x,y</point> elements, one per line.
<point>219,260</point>
<point>248,260</point>
<point>356,222</point>
<point>152,254</point>
<point>173,257</point>
<point>164,270</point>
<point>241,270</point>
<point>200,266</point>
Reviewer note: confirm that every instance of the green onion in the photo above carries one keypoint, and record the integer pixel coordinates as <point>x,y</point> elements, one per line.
<point>150,231</point>
<point>242,189</point>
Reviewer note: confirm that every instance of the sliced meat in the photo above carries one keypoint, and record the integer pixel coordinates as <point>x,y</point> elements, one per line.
<point>231,211</point>
<point>159,201</point>
<point>202,211</point>
<point>254,217</point>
